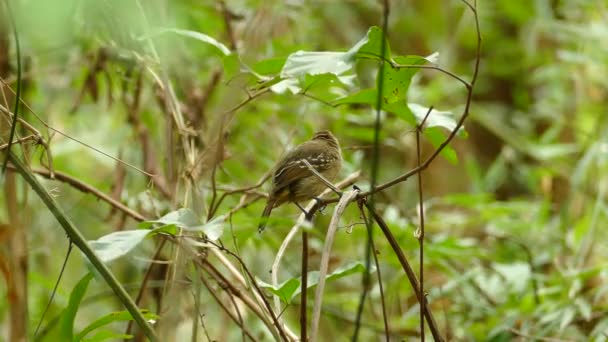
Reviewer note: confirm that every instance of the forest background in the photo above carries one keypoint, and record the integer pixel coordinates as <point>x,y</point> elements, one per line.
<point>148,127</point>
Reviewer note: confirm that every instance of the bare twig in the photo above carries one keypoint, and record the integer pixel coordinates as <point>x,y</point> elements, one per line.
<point>348,197</point>
<point>47,126</point>
<point>304,286</point>
<point>39,139</point>
<point>320,176</point>
<point>236,319</point>
<point>18,93</point>
<point>86,188</point>
<point>19,141</point>
<point>421,214</point>
<point>379,274</point>
<point>258,292</point>
<point>144,283</point>
<point>409,272</point>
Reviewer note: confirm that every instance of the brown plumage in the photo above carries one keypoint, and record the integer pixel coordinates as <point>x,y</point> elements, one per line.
<point>292,181</point>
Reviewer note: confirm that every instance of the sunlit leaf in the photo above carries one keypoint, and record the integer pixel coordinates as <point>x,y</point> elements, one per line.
<point>114,245</point>
<point>316,62</point>
<point>436,118</point>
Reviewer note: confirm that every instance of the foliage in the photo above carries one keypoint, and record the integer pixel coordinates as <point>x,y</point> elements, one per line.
<point>194,102</point>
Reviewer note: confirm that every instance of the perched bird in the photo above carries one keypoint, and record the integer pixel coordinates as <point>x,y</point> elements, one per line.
<point>292,180</point>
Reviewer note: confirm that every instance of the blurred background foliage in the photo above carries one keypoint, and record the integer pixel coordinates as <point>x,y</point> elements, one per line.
<point>515,227</point>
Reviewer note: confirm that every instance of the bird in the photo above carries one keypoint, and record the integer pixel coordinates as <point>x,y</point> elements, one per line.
<point>293,181</point>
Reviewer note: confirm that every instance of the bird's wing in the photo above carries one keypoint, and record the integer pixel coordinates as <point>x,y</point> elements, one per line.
<point>292,168</point>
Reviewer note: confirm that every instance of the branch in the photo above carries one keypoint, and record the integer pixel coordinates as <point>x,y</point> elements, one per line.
<point>79,240</point>
<point>348,197</point>
<point>409,272</point>
<point>452,134</point>
<point>311,208</point>
<point>86,188</point>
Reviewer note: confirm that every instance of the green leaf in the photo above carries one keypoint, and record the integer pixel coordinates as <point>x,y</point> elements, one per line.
<point>192,34</point>
<point>365,96</point>
<point>370,46</point>
<point>436,137</point>
<point>68,315</point>
<point>120,316</point>
<point>285,291</point>
<point>437,118</point>
<point>114,245</point>
<point>104,335</point>
<point>213,229</point>
<point>186,219</point>
<point>290,288</point>
<point>182,218</point>
<point>232,66</point>
<point>397,80</point>
<point>323,62</point>
<point>271,66</point>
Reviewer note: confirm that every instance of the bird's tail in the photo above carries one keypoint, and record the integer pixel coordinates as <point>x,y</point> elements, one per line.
<point>265,215</point>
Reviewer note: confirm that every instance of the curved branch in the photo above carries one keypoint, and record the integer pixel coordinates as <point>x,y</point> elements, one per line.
<point>86,188</point>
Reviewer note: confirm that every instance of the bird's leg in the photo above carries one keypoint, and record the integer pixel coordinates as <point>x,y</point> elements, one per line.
<point>301,208</point>
<point>320,204</point>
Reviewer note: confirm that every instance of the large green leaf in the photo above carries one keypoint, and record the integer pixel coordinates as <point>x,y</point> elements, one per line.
<point>290,288</point>
<point>120,316</point>
<point>68,315</point>
<point>114,245</point>
<point>322,62</point>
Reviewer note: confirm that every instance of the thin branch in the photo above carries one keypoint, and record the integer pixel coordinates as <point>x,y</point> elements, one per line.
<point>379,274</point>
<point>459,125</point>
<point>272,314</point>
<point>40,140</point>
<point>48,305</point>
<point>348,197</point>
<point>213,210</point>
<point>365,278</point>
<point>227,15</point>
<point>144,283</point>
<point>409,272</point>
<point>304,286</point>
<point>238,320</point>
<point>19,141</point>
<point>86,188</point>
<point>320,176</point>
<point>18,93</point>
<point>421,231</point>
<point>47,126</point>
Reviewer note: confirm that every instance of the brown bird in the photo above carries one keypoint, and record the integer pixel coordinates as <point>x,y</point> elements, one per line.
<point>292,180</point>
